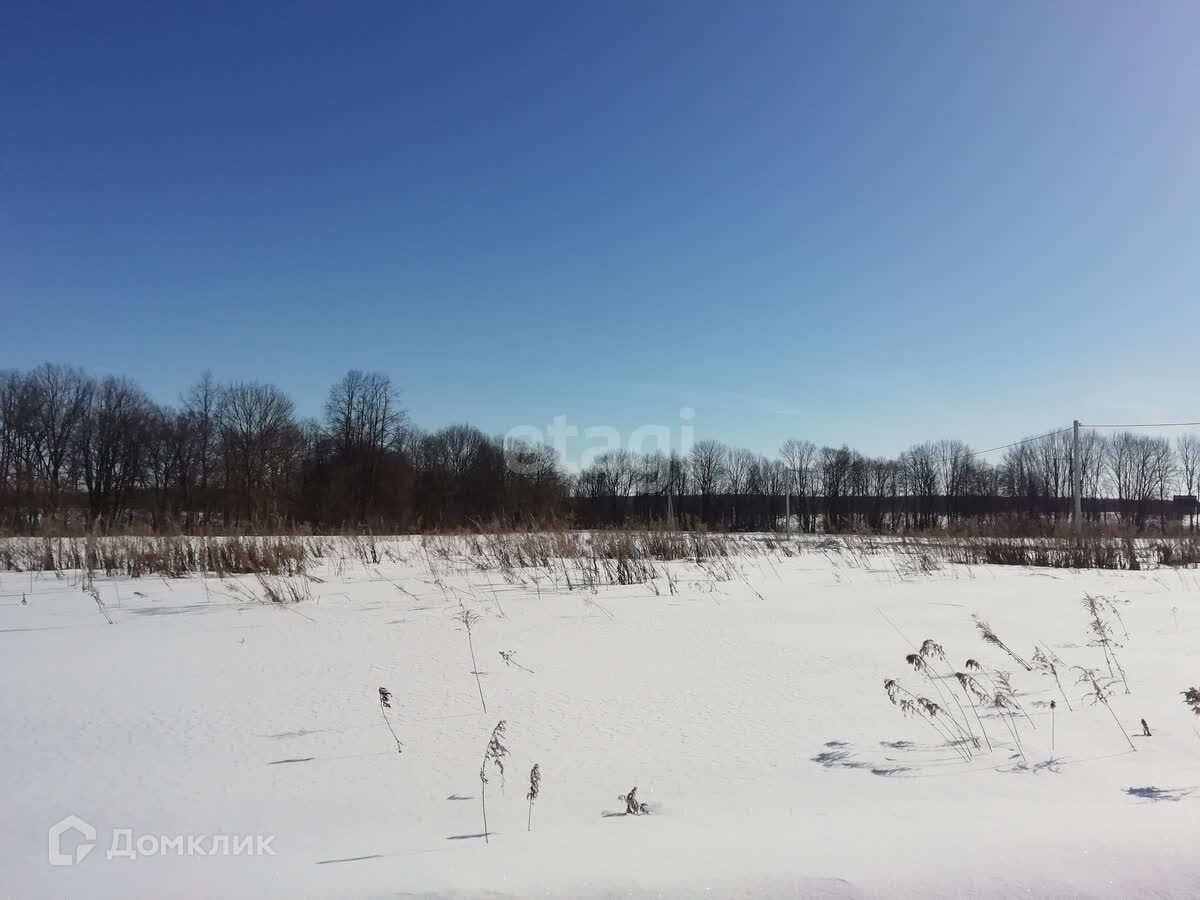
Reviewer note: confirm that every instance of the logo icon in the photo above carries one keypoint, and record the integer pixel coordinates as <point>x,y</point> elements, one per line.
<point>57,857</point>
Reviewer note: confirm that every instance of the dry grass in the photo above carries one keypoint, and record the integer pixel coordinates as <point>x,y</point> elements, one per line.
<point>576,559</point>
<point>1086,551</point>
<point>172,557</point>
<point>587,560</point>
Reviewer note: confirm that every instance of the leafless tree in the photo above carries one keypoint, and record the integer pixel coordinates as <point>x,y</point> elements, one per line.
<point>18,462</point>
<point>258,437</point>
<point>953,460</point>
<point>799,456</point>
<point>739,466</point>
<point>835,464</point>
<point>61,396</point>
<point>1051,455</point>
<point>1141,469</point>
<point>883,483</point>
<point>921,465</point>
<point>652,474</point>
<point>706,464</point>
<point>1093,453</point>
<point>113,442</point>
<point>363,412</point>
<point>1187,449</point>
<point>363,421</point>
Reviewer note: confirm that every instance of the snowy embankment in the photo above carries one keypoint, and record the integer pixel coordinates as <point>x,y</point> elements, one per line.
<point>743,697</point>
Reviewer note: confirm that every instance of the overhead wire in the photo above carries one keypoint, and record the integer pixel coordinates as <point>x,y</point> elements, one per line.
<point>1145,425</point>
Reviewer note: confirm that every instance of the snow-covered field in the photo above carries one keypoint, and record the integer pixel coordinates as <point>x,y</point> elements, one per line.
<point>747,707</point>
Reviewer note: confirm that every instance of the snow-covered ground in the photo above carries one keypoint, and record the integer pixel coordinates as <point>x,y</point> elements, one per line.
<point>748,710</point>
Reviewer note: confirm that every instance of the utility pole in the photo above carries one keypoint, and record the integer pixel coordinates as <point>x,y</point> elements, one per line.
<point>1077,477</point>
<point>787,510</point>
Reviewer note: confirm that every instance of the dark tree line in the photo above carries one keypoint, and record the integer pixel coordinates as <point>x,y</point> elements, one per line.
<point>1127,477</point>
<point>78,450</point>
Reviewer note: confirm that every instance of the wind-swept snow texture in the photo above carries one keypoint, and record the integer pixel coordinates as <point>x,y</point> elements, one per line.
<point>744,703</point>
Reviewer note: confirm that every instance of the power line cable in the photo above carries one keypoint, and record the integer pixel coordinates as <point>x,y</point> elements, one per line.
<point>1022,441</point>
<point>1145,425</point>
<point>1049,434</point>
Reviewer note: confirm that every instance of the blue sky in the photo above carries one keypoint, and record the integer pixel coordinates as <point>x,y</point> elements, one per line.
<point>865,223</point>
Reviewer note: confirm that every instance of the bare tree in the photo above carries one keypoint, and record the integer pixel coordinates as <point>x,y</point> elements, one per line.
<point>739,466</point>
<point>363,420</point>
<point>258,439</point>
<point>953,461</point>
<point>618,472</point>
<point>62,395</point>
<point>835,465</point>
<point>799,456</point>
<point>113,442</point>
<point>1051,456</point>
<point>1141,468</point>
<point>921,465</point>
<point>883,482</point>
<point>200,405</point>
<point>706,463</point>
<point>1187,449</point>
<point>363,412</point>
<point>18,445</point>
<point>1093,452</point>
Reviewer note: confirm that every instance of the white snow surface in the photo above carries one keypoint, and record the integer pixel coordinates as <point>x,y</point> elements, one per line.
<point>748,711</point>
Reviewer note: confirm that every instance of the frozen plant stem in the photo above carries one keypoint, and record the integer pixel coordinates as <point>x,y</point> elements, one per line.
<point>925,710</point>
<point>1191,697</point>
<point>1102,632</point>
<point>1099,694</point>
<point>973,691</point>
<point>385,703</point>
<point>496,751</point>
<point>507,656</point>
<point>1001,703</point>
<point>919,665</point>
<point>633,807</point>
<point>483,799</point>
<point>931,650</point>
<point>468,620</point>
<point>1046,662</point>
<point>990,637</point>
<point>922,662</point>
<point>535,786</point>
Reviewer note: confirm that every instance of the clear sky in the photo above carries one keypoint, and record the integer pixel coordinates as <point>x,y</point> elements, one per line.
<point>872,223</point>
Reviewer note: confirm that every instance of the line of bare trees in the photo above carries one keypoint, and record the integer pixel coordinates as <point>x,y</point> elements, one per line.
<point>78,450</point>
<point>1127,477</point>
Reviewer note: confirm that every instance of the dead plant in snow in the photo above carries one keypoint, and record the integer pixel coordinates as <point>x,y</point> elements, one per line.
<point>495,753</point>
<point>1006,708</point>
<point>468,620</point>
<point>1045,662</point>
<point>385,703</point>
<point>990,637</point>
<point>976,695</point>
<point>535,787</point>
<point>1102,635</point>
<point>507,656</point>
<point>1004,687</point>
<point>923,663</point>
<point>95,594</point>
<point>1192,698</point>
<point>633,807</point>
<point>927,711</point>
<point>1099,690</point>
<point>999,695</point>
